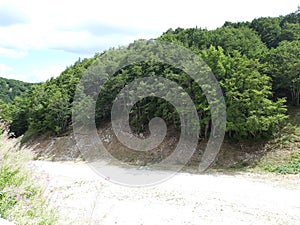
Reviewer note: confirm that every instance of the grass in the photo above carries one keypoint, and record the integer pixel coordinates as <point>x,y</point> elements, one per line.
<point>21,195</point>
<point>283,152</point>
<point>292,166</point>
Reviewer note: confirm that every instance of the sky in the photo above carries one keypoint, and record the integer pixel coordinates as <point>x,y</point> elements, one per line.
<point>39,39</point>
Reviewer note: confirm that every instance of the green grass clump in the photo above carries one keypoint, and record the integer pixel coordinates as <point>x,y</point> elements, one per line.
<point>21,195</point>
<point>290,167</point>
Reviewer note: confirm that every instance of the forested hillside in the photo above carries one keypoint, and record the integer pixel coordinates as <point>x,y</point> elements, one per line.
<point>257,64</point>
<point>273,42</point>
<point>9,89</point>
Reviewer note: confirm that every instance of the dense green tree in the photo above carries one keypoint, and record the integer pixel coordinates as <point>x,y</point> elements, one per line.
<point>291,18</point>
<point>295,84</point>
<point>47,107</point>
<point>193,38</point>
<point>230,38</point>
<point>4,111</point>
<point>282,65</point>
<point>10,88</point>
<point>290,32</point>
<point>251,61</point>
<point>236,25</point>
<point>18,113</point>
<point>242,39</point>
<point>250,110</point>
<point>268,29</point>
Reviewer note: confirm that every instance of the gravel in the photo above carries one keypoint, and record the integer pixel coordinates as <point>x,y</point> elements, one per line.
<point>83,197</point>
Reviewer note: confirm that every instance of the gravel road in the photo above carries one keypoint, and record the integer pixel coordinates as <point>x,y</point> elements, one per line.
<point>83,197</point>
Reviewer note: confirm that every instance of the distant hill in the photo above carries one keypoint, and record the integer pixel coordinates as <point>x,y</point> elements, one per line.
<point>10,88</point>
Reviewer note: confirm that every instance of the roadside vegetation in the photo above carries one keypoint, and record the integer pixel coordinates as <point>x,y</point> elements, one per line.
<point>283,152</point>
<point>21,193</point>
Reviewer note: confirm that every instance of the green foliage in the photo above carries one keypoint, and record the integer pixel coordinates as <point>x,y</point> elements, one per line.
<point>230,38</point>
<point>4,111</point>
<point>242,39</point>
<point>271,41</point>
<point>268,29</point>
<point>236,25</point>
<point>290,32</point>
<point>18,114</point>
<point>283,152</point>
<point>291,18</point>
<point>149,107</point>
<point>283,66</point>
<point>192,38</point>
<point>9,89</point>
<point>46,108</point>
<point>21,197</point>
<point>292,166</point>
<point>272,31</point>
<point>250,111</point>
<point>256,63</point>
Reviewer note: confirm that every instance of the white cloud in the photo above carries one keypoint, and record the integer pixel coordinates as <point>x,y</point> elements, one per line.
<point>86,27</point>
<point>9,73</point>
<point>33,76</point>
<point>11,14</point>
<point>81,19</point>
<point>11,53</point>
<point>39,75</point>
<point>5,69</point>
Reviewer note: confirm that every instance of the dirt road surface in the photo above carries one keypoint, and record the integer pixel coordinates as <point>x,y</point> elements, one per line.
<point>83,197</point>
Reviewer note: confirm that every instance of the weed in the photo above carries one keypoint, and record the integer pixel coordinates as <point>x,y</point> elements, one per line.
<point>21,195</point>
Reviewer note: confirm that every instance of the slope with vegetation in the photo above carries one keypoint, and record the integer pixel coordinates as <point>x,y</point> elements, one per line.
<point>21,196</point>
<point>283,154</point>
<point>10,88</point>
<point>256,63</point>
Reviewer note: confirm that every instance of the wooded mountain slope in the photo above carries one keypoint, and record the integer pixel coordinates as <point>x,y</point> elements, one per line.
<point>257,64</point>
<point>10,88</point>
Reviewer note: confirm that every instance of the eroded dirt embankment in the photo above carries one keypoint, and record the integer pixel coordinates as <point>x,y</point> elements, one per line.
<point>64,149</point>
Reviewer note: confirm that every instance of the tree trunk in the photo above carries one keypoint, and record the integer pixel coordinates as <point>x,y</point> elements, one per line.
<point>295,92</point>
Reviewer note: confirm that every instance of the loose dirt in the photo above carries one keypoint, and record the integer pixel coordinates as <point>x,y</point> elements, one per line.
<point>83,197</point>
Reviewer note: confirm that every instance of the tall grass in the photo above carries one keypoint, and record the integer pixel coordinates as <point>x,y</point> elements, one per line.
<point>21,194</point>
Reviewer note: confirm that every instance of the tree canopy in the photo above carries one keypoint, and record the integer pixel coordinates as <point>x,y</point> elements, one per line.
<point>10,88</point>
<point>257,64</point>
